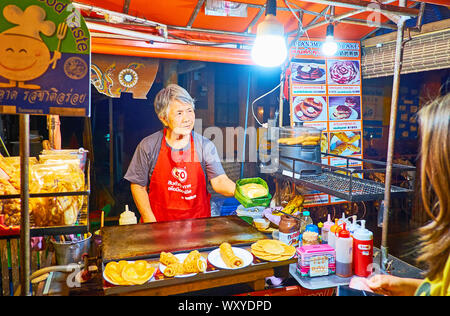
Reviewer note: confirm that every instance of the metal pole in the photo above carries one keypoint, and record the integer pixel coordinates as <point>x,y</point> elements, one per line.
<point>281,103</point>
<point>391,140</point>
<point>195,13</point>
<point>246,122</point>
<point>24,205</point>
<point>111,145</point>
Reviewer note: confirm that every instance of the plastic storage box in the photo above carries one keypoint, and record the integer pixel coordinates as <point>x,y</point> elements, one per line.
<point>316,260</point>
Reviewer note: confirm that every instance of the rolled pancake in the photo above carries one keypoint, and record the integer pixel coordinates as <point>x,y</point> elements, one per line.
<point>174,269</point>
<point>191,262</point>
<point>228,256</point>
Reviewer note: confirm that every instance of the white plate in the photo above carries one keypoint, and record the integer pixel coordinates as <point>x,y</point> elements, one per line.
<point>353,115</point>
<point>180,257</point>
<point>215,258</point>
<point>110,281</point>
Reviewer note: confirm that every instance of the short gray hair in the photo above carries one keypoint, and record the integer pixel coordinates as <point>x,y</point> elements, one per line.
<point>170,93</point>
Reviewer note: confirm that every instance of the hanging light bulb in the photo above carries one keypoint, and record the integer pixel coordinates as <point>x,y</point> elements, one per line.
<point>330,47</point>
<point>269,48</point>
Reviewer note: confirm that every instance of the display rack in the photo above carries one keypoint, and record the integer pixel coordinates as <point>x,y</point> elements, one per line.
<point>81,226</point>
<point>344,182</point>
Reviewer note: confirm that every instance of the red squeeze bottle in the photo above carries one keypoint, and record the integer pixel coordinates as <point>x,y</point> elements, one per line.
<point>363,251</point>
<point>344,253</point>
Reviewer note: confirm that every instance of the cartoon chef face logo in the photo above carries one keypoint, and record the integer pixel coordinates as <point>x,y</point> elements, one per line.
<point>23,54</point>
<point>179,174</point>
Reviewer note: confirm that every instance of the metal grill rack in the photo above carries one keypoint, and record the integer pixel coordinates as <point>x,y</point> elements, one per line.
<point>344,183</point>
<point>81,226</point>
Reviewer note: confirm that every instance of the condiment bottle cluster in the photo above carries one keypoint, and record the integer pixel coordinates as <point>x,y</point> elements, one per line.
<point>343,247</point>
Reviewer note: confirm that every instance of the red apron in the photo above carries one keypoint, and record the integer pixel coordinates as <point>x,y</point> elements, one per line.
<point>177,186</point>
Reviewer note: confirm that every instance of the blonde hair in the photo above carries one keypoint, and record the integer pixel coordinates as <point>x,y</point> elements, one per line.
<point>168,94</point>
<point>434,121</point>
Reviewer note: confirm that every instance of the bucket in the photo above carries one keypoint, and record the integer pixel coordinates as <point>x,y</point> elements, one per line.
<point>71,251</point>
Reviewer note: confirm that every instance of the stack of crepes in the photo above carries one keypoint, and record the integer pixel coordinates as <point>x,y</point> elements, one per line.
<point>229,257</point>
<point>129,273</point>
<point>272,250</point>
<point>193,263</point>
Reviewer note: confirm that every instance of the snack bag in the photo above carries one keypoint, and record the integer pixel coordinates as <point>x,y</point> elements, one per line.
<point>57,177</point>
<point>9,185</point>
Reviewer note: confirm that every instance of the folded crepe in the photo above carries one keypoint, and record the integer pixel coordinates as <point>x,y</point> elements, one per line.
<point>254,190</point>
<point>228,256</point>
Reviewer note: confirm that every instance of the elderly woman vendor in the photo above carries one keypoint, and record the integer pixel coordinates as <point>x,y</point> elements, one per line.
<point>175,164</point>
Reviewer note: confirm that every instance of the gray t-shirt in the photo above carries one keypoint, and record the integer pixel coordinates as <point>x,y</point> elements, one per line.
<point>146,155</point>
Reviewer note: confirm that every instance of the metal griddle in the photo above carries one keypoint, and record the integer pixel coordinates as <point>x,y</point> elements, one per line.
<point>128,242</point>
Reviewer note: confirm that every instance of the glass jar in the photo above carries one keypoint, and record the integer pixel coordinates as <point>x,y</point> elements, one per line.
<point>289,230</point>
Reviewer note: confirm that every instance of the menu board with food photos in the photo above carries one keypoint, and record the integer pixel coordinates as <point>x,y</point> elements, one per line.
<point>325,93</point>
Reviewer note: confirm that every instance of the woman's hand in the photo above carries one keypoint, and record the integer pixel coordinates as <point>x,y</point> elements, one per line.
<point>223,185</point>
<point>392,285</point>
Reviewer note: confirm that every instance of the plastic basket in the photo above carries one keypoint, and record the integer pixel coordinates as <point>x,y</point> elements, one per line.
<point>248,202</point>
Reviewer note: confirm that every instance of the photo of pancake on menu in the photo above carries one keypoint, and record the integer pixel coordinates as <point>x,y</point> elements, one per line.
<point>309,108</point>
<point>343,72</point>
<point>344,108</point>
<point>309,71</point>
<point>345,143</point>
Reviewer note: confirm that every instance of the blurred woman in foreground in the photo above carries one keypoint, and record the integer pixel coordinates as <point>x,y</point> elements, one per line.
<point>434,120</point>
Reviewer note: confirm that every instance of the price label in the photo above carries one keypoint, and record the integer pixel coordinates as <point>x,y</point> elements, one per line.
<point>318,266</point>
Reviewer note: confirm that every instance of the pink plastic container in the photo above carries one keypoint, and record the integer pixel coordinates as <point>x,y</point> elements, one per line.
<point>316,260</point>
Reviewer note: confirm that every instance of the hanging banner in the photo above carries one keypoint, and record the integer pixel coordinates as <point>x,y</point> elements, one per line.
<point>44,58</point>
<point>112,75</point>
<point>325,93</point>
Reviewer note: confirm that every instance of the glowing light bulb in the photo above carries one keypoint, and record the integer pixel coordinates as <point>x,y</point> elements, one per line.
<point>269,50</point>
<point>330,47</point>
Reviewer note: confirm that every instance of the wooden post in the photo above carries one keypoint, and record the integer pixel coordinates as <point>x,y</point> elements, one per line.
<point>391,139</point>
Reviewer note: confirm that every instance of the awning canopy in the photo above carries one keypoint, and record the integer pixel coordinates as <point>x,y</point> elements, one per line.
<point>181,29</point>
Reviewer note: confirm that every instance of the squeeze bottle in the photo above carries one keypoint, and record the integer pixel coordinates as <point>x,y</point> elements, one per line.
<point>332,235</point>
<point>344,253</point>
<point>363,251</point>
<point>353,226</point>
<point>306,220</point>
<point>342,219</point>
<point>326,228</point>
